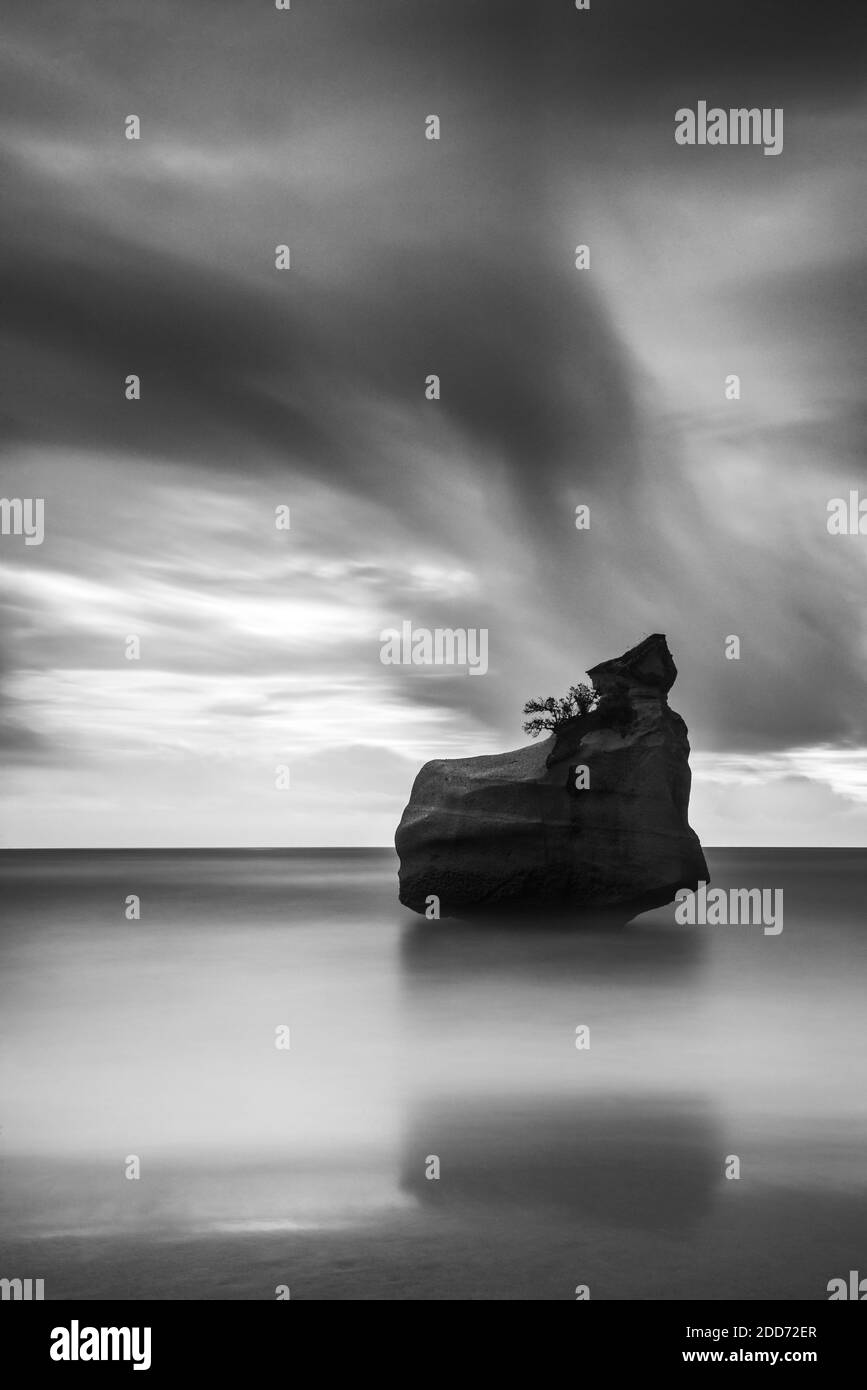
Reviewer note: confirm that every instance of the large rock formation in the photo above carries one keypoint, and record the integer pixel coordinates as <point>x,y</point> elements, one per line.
<point>511,832</point>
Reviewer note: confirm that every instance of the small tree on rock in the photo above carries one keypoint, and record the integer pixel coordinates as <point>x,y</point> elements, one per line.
<point>549,714</point>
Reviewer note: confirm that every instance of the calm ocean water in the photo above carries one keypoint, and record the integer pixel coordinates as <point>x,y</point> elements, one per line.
<point>264,1166</point>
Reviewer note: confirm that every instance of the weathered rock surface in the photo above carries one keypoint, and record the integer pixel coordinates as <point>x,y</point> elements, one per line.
<point>511,834</point>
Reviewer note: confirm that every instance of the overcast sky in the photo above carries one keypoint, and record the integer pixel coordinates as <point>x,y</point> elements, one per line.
<point>305,387</point>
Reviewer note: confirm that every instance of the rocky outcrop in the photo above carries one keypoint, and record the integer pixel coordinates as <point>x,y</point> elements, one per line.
<point>516,832</point>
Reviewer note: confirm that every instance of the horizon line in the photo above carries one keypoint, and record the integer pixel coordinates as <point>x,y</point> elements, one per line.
<point>283,849</point>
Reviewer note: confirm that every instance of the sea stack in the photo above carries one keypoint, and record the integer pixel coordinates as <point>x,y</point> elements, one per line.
<point>518,834</point>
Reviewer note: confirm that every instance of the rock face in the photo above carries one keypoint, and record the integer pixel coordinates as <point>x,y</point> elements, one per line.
<point>511,834</point>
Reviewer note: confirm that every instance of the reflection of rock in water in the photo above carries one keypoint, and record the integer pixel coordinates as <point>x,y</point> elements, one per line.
<point>644,954</point>
<point>493,1089</point>
<point>642,1161</point>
